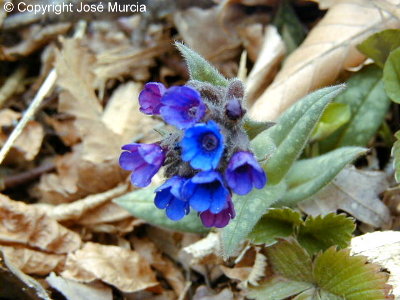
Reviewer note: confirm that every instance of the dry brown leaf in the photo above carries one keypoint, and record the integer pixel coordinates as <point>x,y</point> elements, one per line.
<point>118,227</point>
<point>382,248</point>
<point>204,250</point>
<point>65,130</point>
<point>217,45</point>
<point>252,37</point>
<point>205,293</point>
<point>17,285</point>
<point>28,144</point>
<point>268,60</point>
<point>26,225</point>
<point>33,262</point>
<point>162,264</point>
<point>35,37</point>
<point>356,192</point>
<point>328,49</point>
<point>78,209</point>
<point>122,268</point>
<point>74,290</point>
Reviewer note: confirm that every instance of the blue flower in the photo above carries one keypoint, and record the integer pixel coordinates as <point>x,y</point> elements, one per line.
<point>150,98</point>
<point>203,146</point>
<point>244,172</point>
<point>144,160</point>
<point>169,197</point>
<point>220,219</point>
<point>206,191</point>
<point>182,106</point>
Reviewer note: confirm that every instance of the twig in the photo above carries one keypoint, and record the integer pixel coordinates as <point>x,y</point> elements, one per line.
<point>185,290</point>
<point>35,104</point>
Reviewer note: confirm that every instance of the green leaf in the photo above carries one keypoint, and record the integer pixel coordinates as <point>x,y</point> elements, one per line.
<point>249,209</point>
<point>396,155</point>
<point>253,128</point>
<point>391,75</point>
<point>199,68</point>
<point>379,45</point>
<point>322,232</point>
<point>316,294</point>
<point>293,129</point>
<point>289,26</point>
<point>368,104</point>
<point>277,222</point>
<point>140,204</point>
<point>278,288</point>
<point>349,276</point>
<point>289,260</point>
<point>308,176</point>
<point>335,116</point>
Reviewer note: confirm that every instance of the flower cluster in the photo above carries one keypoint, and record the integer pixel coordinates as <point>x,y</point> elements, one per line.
<point>207,156</point>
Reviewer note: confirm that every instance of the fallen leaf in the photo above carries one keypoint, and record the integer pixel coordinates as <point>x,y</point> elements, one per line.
<point>205,293</point>
<point>28,144</point>
<point>122,268</point>
<point>75,290</point>
<point>26,225</point>
<point>328,49</point>
<point>253,39</point>
<point>17,285</point>
<point>383,248</point>
<point>36,36</point>
<point>266,65</point>
<point>356,192</point>
<point>33,262</point>
<point>204,250</point>
<point>162,264</point>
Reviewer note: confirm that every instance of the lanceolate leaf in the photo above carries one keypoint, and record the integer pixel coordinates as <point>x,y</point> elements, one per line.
<point>368,104</point>
<point>308,176</point>
<point>396,155</point>
<point>320,233</point>
<point>249,209</point>
<point>391,75</point>
<point>293,129</point>
<point>379,45</point>
<point>253,128</point>
<point>199,68</point>
<point>140,204</point>
<point>277,222</point>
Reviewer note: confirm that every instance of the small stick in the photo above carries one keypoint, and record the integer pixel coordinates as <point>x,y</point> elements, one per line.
<point>35,104</point>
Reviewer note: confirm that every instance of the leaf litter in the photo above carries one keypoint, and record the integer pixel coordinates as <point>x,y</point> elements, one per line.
<point>66,226</point>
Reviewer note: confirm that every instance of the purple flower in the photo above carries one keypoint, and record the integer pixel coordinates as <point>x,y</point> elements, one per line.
<point>169,197</point>
<point>206,191</point>
<point>220,219</point>
<point>150,98</point>
<point>182,106</point>
<point>144,160</point>
<point>234,110</point>
<point>244,172</point>
<point>203,146</point>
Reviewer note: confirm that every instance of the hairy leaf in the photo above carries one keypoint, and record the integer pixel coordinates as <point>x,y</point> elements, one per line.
<point>277,222</point>
<point>368,103</point>
<point>140,204</point>
<point>308,176</point>
<point>253,128</point>
<point>379,45</point>
<point>335,116</point>
<point>322,232</point>
<point>249,209</point>
<point>293,129</point>
<point>199,68</point>
<point>391,76</point>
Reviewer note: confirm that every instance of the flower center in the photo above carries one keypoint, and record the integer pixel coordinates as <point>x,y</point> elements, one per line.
<point>192,111</point>
<point>209,142</point>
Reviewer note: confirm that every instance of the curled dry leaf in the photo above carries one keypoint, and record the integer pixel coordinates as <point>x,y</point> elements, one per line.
<point>28,144</point>
<point>74,290</point>
<point>268,60</point>
<point>36,36</point>
<point>122,268</point>
<point>33,262</point>
<point>328,49</point>
<point>356,192</point>
<point>203,250</point>
<point>162,264</point>
<point>382,248</point>
<point>26,225</point>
